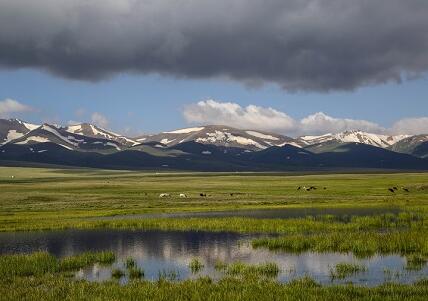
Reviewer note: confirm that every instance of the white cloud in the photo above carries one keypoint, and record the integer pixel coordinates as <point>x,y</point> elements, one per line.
<point>10,106</point>
<point>99,119</point>
<point>411,126</point>
<point>232,114</point>
<point>320,123</point>
<point>269,119</point>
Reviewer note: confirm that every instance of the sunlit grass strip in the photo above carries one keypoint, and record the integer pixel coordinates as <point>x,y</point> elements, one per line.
<point>362,244</point>
<point>35,264</point>
<point>402,221</point>
<point>86,259</point>
<point>42,262</point>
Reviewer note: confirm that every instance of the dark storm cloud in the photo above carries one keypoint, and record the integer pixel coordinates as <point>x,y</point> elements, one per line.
<point>299,44</point>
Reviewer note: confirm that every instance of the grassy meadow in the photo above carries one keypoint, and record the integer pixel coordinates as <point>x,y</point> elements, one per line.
<point>51,199</point>
<point>33,198</point>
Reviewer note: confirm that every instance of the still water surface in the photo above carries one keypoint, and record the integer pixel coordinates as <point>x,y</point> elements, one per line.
<point>171,252</point>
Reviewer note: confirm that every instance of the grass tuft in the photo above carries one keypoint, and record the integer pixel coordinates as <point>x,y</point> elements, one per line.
<point>343,270</point>
<point>195,265</point>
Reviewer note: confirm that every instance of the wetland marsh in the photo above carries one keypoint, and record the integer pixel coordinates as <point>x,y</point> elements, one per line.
<point>251,231</point>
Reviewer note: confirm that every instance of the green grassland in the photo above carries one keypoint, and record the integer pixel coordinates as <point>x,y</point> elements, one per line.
<point>53,198</point>
<point>48,199</point>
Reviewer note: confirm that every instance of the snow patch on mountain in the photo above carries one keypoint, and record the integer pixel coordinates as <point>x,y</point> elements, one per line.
<point>186,130</point>
<point>94,131</point>
<point>57,134</point>
<point>354,137</point>
<point>226,137</point>
<point>34,139</point>
<point>262,136</point>
<point>166,141</point>
<point>290,143</point>
<point>113,145</point>
<point>29,126</point>
<point>13,134</point>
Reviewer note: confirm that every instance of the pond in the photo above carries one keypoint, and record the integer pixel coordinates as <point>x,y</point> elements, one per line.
<point>279,213</point>
<point>170,252</point>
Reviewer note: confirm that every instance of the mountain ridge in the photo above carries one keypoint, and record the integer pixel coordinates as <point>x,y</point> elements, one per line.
<point>214,147</point>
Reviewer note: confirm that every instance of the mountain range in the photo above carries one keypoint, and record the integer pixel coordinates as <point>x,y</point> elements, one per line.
<point>210,148</point>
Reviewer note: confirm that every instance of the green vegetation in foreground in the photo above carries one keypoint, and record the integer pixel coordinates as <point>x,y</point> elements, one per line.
<point>416,261</point>
<point>343,270</point>
<point>50,287</point>
<point>41,263</point>
<point>362,244</point>
<point>117,273</point>
<point>39,278</point>
<point>241,269</point>
<point>195,265</point>
<point>135,273</point>
<point>130,263</point>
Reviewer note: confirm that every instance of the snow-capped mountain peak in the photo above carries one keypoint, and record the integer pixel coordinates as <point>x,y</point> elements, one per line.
<point>11,129</point>
<point>354,136</point>
<point>94,131</point>
<point>221,135</point>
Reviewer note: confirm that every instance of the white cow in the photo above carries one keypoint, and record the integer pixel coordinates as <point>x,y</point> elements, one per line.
<point>182,195</point>
<point>164,195</point>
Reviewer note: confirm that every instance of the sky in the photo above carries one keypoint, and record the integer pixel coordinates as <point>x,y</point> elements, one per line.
<point>294,67</point>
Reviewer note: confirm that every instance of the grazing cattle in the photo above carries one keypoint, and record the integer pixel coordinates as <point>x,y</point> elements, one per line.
<point>182,195</point>
<point>313,187</point>
<point>405,189</point>
<point>203,194</point>
<point>13,177</point>
<point>231,194</point>
<point>391,190</point>
<point>298,188</point>
<point>395,188</point>
<point>164,195</point>
<point>325,188</point>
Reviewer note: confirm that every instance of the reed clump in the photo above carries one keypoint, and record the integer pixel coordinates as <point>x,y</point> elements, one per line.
<point>195,265</point>
<point>343,270</point>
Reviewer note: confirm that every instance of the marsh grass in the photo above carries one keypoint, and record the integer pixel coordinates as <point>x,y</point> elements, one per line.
<point>415,262</point>
<point>86,259</point>
<point>40,263</point>
<point>117,273</point>
<point>168,275</point>
<point>220,266</point>
<point>343,270</point>
<point>304,283</point>
<point>195,266</point>
<point>234,289</point>
<point>130,263</point>
<point>361,244</point>
<point>34,264</point>
<point>135,273</point>
<point>241,269</point>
